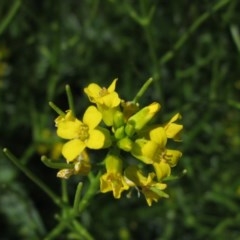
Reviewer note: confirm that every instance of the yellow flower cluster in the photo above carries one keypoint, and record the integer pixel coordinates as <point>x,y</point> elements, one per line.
<point>120,126</point>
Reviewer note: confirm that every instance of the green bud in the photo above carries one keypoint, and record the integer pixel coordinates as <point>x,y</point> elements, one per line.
<point>125,144</point>
<point>143,116</point>
<point>118,119</point>
<point>119,133</point>
<point>129,130</point>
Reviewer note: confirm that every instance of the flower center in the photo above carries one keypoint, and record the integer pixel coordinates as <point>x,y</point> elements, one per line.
<point>83,132</point>
<point>159,155</point>
<point>103,92</point>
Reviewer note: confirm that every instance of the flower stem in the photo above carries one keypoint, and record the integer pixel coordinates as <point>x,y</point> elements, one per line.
<point>91,191</point>
<point>56,231</point>
<point>70,99</point>
<point>142,90</point>
<point>33,177</point>
<point>10,15</point>
<point>82,231</point>
<point>56,109</point>
<point>192,29</point>
<point>56,165</point>
<point>77,197</point>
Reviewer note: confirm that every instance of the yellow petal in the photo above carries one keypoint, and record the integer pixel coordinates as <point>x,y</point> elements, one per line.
<point>113,164</point>
<point>107,114</point>
<point>134,175</point>
<point>96,139</point>
<point>72,149</point>
<point>150,150</point>
<point>162,170</point>
<point>119,185</point>
<point>172,157</point>
<point>172,129</point>
<point>92,117</point>
<point>113,182</point>
<point>150,196</point>
<point>67,117</point>
<point>104,184</point>
<point>144,150</point>
<point>93,92</point>
<point>112,87</point>
<point>111,100</point>
<point>69,129</point>
<point>158,135</point>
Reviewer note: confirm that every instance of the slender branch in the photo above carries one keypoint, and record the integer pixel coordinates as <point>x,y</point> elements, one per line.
<point>77,197</point>
<point>198,22</point>
<point>33,177</point>
<point>56,109</point>
<point>70,99</point>
<point>56,231</point>
<point>91,191</point>
<point>10,15</point>
<point>142,90</point>
<point>82,231</point>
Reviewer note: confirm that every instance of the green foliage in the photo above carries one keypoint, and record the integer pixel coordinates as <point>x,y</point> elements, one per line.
<point>189,48</point>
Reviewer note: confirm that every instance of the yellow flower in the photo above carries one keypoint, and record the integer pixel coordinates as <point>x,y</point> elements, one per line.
<point>82,134</point>
<point>113,180</point>
<point>107,100</point>
<point>154,152</point>
<point>104,96</point>
<point>173,129</point>
<point>151,189</point>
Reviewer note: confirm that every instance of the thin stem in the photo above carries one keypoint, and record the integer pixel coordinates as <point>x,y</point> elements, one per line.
<point>64,191</point>
<point>28,154</point>
<point>82,231</point>
<point>65,210</point>
<point>91,191</point>
<point>56,109</point>
<point>12,12</point>
<point>198,22</point>
<point>56,231</point>
<point>142,90</point>
<point>33,177</point>
<point>56,165</point>
<point>70,99</point>
<point>151,47</point>
<point>77,197</point>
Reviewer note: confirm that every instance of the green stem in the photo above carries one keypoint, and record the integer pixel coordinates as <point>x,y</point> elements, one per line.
<point>56,109</point>
<point>34,178</point>
<point>77,197</point>
<point>82,231</point>
<point>28,154</point>
<point>12,12</point>
<point>56,231</point>
<point>64,191</point>
<point>70,99</point>
<point>56,165</point>
<point>198,22</point>
<point>151,47</point>
<point>91,191</point>
<point>142,90</point>
<point>65,210</point>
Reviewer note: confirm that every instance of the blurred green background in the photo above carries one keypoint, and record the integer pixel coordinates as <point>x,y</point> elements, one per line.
<point>192,51</point>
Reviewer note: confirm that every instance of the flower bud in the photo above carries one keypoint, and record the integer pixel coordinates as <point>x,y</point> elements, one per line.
<point>143,116</point>
<point>118,119</point>
<point>125,144</point>
<point>129,130</point>
<point>119,133</point>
